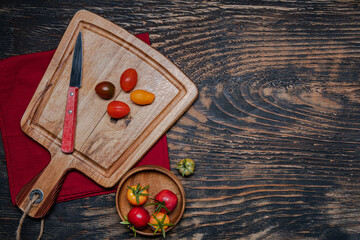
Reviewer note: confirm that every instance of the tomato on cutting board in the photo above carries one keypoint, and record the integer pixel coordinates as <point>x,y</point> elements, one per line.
<point>118,109</point>
<point>128,79</point>
<point>105,90</point>
<point>142,97</point>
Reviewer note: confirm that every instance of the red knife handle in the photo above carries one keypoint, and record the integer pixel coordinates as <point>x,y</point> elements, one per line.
<point>67,145</point>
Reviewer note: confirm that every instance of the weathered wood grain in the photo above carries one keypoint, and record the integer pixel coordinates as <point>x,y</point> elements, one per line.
<point>274,132</point>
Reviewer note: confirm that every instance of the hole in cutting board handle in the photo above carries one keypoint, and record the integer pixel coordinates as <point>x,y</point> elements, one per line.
<point>38,192</point>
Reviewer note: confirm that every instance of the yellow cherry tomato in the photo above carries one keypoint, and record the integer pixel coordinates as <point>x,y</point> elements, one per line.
<point>159,221</point>
<point>137,195</point>
<point>142,97</point>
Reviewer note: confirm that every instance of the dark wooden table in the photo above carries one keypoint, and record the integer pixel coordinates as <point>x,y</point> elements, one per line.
<point>275,131</point>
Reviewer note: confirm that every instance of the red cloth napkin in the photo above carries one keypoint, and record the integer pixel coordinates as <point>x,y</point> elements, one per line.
<point>25,158</point>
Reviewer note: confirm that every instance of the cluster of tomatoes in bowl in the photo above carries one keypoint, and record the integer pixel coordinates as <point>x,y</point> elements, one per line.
<point>139,218</point>
<point>128,80</point>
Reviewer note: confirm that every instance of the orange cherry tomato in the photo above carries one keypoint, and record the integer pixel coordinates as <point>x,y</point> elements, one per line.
<point>137,195</point>
<point>142,97</point>
<point>128,79</point>
<point>154,223</point>
<point>118,109</point>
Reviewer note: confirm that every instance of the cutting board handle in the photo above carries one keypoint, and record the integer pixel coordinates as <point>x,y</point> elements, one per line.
<point>46,184</point>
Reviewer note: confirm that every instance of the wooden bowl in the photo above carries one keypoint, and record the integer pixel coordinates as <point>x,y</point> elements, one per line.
<point>158,178</point>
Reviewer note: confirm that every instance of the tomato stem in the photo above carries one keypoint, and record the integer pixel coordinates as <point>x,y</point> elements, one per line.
<point>126,222</point>
<point>160,224</point>
<point>159,205</point>
<point>186,167</point>
<point>138,191</point>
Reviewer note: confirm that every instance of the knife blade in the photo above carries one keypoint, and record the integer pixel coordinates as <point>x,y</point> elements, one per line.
<point>67,144</point>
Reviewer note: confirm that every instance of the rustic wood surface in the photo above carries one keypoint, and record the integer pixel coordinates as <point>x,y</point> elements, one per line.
<point>274,131</point>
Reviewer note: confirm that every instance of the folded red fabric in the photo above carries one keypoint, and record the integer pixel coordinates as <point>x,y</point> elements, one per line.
<point>25,158</point>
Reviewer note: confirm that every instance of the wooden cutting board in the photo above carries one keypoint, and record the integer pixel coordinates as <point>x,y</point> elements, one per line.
<point>105,149</point>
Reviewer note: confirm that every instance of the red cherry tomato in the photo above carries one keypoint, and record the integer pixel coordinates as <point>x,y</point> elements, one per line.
<point>168,199</point>
<point>128,79</point>
<point>118,109</point>
<point>138,217</point>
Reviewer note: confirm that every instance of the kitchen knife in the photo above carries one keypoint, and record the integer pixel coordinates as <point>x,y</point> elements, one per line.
<point>67,144</point>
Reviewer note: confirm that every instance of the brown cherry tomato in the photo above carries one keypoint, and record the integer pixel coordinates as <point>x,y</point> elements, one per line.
<point>142,97</point>
<point>105,90</point>
<point>118,109</point>
<point>128,79</point>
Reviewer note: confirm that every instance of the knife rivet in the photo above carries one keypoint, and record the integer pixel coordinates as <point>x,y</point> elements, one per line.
<point>70,111</point>
<point>71,93</point>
